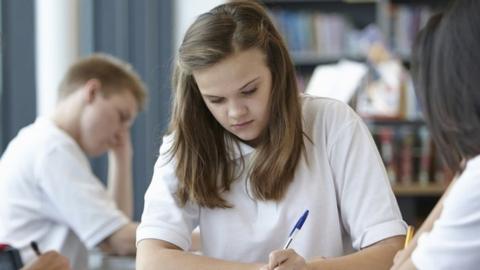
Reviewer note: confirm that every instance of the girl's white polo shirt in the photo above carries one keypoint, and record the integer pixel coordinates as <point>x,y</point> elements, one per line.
<point>344,185</point>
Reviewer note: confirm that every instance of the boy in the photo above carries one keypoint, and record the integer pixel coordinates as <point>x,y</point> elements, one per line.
<point>49,192</point>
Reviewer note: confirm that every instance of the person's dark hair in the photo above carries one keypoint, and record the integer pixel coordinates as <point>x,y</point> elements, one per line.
<point>446,71</point>
<point>201,145</point>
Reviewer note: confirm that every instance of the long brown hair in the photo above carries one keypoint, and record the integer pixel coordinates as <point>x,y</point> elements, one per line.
<point>446,71</point>
<point>201,145</point>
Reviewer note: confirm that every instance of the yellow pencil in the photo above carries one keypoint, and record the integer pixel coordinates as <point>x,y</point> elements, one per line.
<point>409,235</point>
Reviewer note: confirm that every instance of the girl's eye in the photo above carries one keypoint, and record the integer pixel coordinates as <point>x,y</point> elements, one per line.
<point>249,92</point>
<point>216,100</point>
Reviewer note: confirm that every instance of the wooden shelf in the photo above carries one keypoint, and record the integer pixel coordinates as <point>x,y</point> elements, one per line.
<point>419,190</point>
<point>394,122</point>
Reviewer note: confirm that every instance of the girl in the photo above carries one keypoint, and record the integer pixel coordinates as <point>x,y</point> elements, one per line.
<point>247,155</point>
<point>447,78</point>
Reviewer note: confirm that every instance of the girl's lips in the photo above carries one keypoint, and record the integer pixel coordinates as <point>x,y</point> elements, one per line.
<point>241,125</point>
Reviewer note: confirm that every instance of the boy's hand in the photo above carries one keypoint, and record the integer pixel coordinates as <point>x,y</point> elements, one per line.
<point>122,148</point>
<point>51,260</point>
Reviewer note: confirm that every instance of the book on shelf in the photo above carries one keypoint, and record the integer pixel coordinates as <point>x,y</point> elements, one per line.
<point>425,156</point>
<point>385,146</point>
<point>406,173</point>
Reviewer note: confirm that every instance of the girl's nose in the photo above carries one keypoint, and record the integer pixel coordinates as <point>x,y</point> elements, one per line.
<point>237,110</point>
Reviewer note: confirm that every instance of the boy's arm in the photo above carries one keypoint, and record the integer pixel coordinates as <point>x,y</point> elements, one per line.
<point>122,241</point>
<point>120,174</point>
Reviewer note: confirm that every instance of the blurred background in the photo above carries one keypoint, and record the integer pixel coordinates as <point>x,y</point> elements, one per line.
<point>357,51</point>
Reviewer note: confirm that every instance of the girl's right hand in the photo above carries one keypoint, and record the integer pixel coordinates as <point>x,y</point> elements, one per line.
<point>285,260</point>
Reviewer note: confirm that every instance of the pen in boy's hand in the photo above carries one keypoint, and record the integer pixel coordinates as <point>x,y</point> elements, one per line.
<point>35,248</point>
<point>296,228</point>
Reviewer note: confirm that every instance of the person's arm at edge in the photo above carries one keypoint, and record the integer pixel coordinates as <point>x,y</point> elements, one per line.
<point>404,256</point>
<point>152,253</point>
<point>407,265</point>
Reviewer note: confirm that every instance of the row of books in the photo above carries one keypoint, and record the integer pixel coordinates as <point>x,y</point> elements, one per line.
<point>308,32</point>
<point>409,155</point>
<point>407,20</point>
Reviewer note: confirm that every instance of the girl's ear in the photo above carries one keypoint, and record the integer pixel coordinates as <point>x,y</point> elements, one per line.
<point>91,89</point>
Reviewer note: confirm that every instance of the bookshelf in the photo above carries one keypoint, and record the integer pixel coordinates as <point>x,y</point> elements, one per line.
<point>417,175</point>
<point>322,32</point>
<point>406,18</point>
<point>419,190</point>
<point>306,23</point>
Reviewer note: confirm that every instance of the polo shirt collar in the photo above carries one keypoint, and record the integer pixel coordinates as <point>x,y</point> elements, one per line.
<point>238,150</point>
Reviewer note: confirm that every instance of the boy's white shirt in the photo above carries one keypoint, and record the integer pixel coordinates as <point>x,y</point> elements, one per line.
<point>454,241</point>
<point>345,188</point>
<point>50,195</point>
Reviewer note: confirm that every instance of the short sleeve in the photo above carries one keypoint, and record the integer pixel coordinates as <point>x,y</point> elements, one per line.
<point>163,217</point>
<point>82,202</point>
<point>369,210</point>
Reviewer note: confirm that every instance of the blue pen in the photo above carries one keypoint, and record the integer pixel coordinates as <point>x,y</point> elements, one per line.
<point>295,229</point>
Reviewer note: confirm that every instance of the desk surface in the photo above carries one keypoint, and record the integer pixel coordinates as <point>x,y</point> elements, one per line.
<point>100,261</point>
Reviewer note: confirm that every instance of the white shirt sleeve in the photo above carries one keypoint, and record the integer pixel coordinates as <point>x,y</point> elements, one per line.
<point>368,206</point>
<point>454,242</point>
<point>163,217</point>
<point>77,195</point>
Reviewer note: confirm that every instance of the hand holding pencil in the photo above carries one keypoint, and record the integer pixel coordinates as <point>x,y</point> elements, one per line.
<point>50,260</point>
<point>404,254</point>
<point>287,257</point>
